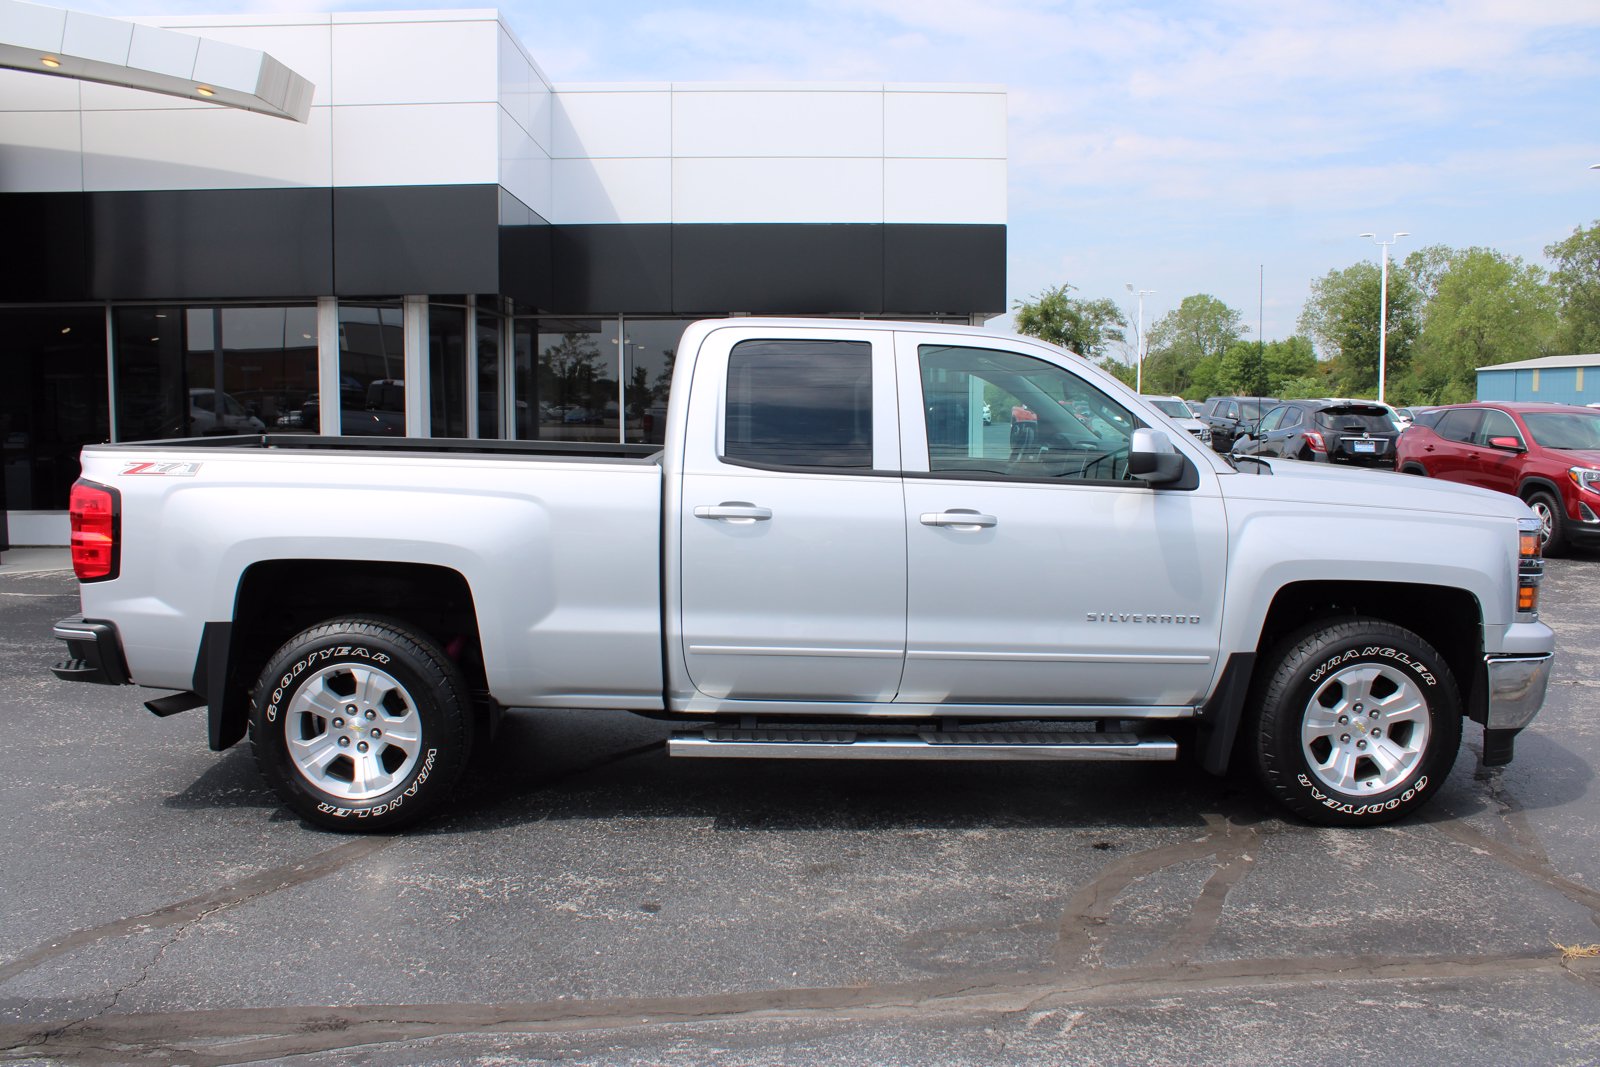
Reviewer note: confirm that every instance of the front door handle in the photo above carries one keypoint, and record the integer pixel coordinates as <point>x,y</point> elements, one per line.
<point>737,511</point>
<point>959,519</point>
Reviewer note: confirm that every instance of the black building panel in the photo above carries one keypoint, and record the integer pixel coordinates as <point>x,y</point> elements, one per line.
<point>46,238</point>
<point>416,239</point>
<point>953,269</point>
<point>210,244</point>
<point>777,269</point>
<point>608,269</point>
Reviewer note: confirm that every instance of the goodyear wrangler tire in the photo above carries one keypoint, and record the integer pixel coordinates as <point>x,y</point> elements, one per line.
<point>1359,723</point>
<point>360,724</point>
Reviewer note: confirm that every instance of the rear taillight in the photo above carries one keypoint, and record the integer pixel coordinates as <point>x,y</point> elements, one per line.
<point>1530,566</point>
<point>1314,440</point>
<point>96,513</point>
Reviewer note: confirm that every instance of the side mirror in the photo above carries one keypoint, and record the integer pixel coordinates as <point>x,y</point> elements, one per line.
<point>1152,459</point>
<point>1506,444</point>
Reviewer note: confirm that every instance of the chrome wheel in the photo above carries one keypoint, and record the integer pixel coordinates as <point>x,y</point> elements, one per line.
<point>353,731</point>
<point>1365,729</point>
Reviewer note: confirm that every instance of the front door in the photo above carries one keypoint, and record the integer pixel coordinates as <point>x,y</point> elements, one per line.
<point>1038,572</point>
<point>792,536</point>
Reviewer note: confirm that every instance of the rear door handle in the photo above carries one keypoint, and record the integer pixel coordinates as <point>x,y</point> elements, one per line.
<point>959,519</point>
<point>738,511</point>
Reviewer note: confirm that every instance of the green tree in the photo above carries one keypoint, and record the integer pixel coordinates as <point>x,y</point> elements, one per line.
<point>1087,327</point>
<point>1251,369</point>
<point>1486,308</point>
<point>1342,315</point>
<point>1576,279</point>
<point>1199,329</point>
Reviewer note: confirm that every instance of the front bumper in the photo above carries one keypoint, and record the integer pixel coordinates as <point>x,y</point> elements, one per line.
<point>1516,687</point>
<point>94,652</point>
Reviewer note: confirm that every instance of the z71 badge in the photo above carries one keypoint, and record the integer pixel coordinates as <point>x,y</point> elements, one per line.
<point>163,470</point>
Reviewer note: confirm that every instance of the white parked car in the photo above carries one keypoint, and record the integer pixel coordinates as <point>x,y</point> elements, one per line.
<point>1177,409</point>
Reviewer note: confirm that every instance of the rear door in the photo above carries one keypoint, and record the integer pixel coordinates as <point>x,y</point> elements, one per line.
<point>1454,454</point>
<point>791,521</point>
<point>1039,574</point>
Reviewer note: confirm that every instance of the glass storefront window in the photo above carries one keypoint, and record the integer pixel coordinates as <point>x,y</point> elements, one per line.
<point>650,348</point>
<point>447,369</point>
<point>53,402</point>
<point>489,325</point>
<point>575,396</point>
<point>202,371</point>
<point>372,359</point>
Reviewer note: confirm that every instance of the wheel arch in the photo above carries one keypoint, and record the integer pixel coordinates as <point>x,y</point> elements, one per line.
<point>1537,483</point>
<point>276,599</point>
<point>1451,620</point>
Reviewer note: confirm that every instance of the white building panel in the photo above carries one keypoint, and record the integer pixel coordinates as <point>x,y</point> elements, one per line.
<point>612,125</point>
<point>93,37</point>
<point>787,124</point>
<point>211,148</point>
<point>22,91</point>
<point>523,91</point>
<point>41,153</point>
<point>524,166</point>
<point>944,190</point>
<point>163,51</point>
<point>33,26</point>
<point>612,190</point>
<point>944,125</point>
<point>407,63</point>
<point>416,144</point>
<point>777,190</point>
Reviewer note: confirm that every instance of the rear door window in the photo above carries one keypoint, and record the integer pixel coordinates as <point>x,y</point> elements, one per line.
<point>800,404</point>
<point>1459,425</point>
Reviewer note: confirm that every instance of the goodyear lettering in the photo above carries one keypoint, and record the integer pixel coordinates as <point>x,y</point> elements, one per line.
<point>1364,809</point>
<point>339,651</point>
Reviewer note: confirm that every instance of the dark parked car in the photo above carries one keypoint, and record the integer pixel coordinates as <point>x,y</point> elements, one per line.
<point>1546,454</point>
<point>1230,416</point>
<point>1325,431</point>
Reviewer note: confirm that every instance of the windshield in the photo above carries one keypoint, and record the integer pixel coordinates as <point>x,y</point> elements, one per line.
<point>1176,409</point>
<point>1564,429</point>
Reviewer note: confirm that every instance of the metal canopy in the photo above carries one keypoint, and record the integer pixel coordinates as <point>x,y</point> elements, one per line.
<point>71,44</point>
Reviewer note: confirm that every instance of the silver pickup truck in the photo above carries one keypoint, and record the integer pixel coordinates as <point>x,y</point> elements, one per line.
<point>861,540</point>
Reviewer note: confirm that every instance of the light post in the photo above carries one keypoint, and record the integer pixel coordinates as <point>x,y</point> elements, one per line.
<point>1138,339</point>
<point>1383,305</point>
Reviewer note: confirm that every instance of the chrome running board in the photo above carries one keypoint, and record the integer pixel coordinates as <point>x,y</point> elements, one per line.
<point>924,745</point>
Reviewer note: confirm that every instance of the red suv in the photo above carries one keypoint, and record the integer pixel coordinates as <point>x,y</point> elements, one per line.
<point>1546,454</point>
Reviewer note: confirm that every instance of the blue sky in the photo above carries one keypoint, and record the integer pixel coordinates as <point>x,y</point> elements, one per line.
<point>1182,147</point>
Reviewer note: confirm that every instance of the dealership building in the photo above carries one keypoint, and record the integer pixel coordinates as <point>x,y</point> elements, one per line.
<point>394,223</point>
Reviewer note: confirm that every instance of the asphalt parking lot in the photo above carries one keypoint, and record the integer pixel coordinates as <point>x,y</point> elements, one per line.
<point>586,900</point>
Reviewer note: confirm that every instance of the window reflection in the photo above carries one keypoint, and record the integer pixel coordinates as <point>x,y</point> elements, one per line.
<point>447,369</point>
<point>372,388</point>
<point>488,341</point>
<point>204,371</point>
<point>650,347</point>
<point>576,396</point>
<point>52,403</point>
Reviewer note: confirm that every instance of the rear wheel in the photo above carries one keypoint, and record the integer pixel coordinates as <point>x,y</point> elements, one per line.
<point>1359,723</point>
<point>1552,522</point>
<point>360,724</point>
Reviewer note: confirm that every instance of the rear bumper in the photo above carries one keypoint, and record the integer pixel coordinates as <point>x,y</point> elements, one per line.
<point>1516,689</point>
<point>94,650</point>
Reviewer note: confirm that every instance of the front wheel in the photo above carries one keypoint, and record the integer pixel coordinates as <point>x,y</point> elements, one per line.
<point>1359,723</point>
<point>360,724</point>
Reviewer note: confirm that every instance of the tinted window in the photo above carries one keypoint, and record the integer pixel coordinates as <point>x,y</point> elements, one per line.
<point>1358,420</point>
<point>1458,425</point>
<point>1175,409</point>
<point>1274,418</point>
<point>1496,424</point>
<point>1293,417</point>
<point>1251,409</point>
<point>992,413</point>
<point>1564,429</point>
<point>800,404</point>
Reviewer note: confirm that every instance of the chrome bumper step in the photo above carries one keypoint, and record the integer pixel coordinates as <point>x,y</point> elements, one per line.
<point>924,745</point>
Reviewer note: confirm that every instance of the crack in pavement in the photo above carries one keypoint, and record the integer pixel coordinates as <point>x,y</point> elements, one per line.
<point>211,1038</point>
<point>324,863</point>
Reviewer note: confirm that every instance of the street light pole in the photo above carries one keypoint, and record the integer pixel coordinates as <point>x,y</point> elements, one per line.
<point>1138,339</point>
<point>1383,306</point>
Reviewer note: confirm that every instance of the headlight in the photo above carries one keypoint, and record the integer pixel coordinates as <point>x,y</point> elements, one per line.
<point>1585,477</point>
<point>1204,434</point>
